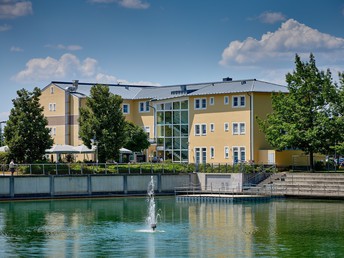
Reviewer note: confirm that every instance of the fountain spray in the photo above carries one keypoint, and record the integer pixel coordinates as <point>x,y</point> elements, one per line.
<point>151,218</point>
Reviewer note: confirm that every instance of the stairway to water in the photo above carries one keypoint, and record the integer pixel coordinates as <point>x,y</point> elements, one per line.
<point>304,184</point>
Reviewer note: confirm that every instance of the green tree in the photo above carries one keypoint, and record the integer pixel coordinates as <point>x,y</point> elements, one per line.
<point>102,118</point>
<point>26,133</point>
<point>304,118</point>
<point>137,138</point>
<point>339,117</point>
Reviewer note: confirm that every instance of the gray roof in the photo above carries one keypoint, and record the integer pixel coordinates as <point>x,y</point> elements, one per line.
<point>241,86</point>
<point>166,92</point>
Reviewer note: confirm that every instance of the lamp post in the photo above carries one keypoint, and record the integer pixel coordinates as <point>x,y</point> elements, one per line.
<point>95,143</point>
<point>154,123</point>
<point>1,134</point>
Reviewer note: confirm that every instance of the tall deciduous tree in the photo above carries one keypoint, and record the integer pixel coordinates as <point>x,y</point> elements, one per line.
<point>304,118</point>
<point>339,118</point>
<point>137,138</point>
<point>26,133</point>
<point>102,118</point>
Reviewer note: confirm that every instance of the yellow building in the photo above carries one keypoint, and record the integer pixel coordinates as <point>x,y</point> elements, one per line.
<point>206,122</point>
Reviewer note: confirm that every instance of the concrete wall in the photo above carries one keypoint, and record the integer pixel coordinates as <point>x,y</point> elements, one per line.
<point>217,182</point>
<point>74,185</point>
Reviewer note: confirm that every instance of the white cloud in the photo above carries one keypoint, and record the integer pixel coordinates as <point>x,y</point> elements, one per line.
<point>63,47</point>
<point>16,49</point>
<point>67,67</point>
<point>5,27</point>
<point>49,68</point>
<point>280,46</point>
<point>145,83</point>
<point>271,17</point>
<point>10,9</point>
<point>131,4</point>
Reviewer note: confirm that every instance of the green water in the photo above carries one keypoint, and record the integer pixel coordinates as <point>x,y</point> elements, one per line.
<point>117,228</point>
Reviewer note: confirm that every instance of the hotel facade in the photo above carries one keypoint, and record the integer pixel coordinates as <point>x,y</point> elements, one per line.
<point>195,123</point>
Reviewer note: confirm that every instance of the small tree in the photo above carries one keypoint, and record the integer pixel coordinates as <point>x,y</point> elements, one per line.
<point>26,133</point>
<point>136,138</point>
<point>102,119</point>
<point>304,118</point>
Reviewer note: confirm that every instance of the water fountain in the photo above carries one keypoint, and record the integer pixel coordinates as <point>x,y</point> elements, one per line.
<point>151,219</point>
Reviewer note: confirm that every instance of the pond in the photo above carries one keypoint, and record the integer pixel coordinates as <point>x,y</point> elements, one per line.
<point>116,227</point>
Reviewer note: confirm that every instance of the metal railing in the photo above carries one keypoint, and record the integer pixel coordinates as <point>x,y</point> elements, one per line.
<point>104,168</point>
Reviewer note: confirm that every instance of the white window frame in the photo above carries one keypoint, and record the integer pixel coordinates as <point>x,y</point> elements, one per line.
<point>239,150</point>
<point>197,129</point>
<point>226,127</point>
<point>52,90</point>
<point>211,101</point>
<point>128,108</point>
<point>242,125</point>
<point>200,103</point>
<point>235,128</point>
<point>52,106</point>
<point>212,152</point>
<point>144,105</point>
<point>226,152</point>
<point>236,101</point>
<point>204,129</point>
<point>212,127</point>
<point>226,100</point>
<point>52,131</point>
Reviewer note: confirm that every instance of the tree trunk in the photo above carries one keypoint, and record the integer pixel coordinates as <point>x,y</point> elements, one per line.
<point>311,161</point>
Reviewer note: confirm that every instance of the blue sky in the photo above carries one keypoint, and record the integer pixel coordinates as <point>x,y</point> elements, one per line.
<point>162,42</point>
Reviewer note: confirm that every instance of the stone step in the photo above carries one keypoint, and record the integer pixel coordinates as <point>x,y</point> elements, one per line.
<point>310,181</point>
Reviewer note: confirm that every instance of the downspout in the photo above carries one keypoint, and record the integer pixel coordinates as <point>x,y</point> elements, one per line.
<point>67,95</point>
<point>251,123</point>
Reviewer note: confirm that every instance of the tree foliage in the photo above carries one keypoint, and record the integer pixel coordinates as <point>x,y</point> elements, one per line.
<point>306,117</point>
<point>26,133</point>
<point>102,118</point>
<point>137,138</point>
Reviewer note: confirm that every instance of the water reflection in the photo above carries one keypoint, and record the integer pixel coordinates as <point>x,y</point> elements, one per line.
<point>111,228</point>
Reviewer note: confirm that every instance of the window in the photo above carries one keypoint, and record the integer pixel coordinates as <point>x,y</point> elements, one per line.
<point>226,100</point>
<point>200,129</point>
<point>242,101</point>
<point>239,101</point>
<point>211,101</point>
<point>212,152</point>
<point>226,127</point>
<point>52,131</point>
<point>201,103</point>
<point>52,106</point>
<point>52,90</point>
<point>242,128</point>
<point>242,154</point>
<point>204,129</point>
<point>235,128</point>
<point>126,108</point>
<point>226,152</point>
<point>144,106</point>
<point>147,131</point>
<point>239,128</point>
<point>239,154</point>
<point>197,129</point>
<point>200,155</point>
<point>197,155</point>
<point>212,127</point>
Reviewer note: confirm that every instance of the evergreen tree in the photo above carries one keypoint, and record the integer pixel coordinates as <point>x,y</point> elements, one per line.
<point>137,139</point>
<point>102,119</point>
<point>304,118</point>
<point>26,133</point>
